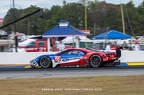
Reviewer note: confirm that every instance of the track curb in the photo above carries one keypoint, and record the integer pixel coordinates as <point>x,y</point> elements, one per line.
<point>28,66</point>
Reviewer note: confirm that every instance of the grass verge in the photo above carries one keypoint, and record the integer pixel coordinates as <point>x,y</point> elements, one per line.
<point>101,85</point>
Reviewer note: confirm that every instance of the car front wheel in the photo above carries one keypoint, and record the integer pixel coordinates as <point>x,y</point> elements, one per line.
<point>45,62</point>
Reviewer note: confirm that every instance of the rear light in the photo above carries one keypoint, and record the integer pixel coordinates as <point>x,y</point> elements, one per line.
<point>107,54</point>
<point>111,55</point>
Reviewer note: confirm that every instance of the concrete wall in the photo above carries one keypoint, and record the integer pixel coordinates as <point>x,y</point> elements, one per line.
<point>24,58</point>
<point>19,58</point>
<point>132,56</point>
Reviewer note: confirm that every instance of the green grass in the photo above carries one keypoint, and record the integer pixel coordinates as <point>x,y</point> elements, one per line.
<point>101,85</point>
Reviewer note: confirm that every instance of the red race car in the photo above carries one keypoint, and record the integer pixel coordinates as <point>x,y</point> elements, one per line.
<point>73,57</point>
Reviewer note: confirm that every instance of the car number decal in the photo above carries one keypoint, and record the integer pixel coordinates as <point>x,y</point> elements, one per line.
<point>57,58</point>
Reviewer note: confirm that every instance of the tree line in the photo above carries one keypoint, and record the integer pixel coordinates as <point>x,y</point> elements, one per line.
<point>101,17</point>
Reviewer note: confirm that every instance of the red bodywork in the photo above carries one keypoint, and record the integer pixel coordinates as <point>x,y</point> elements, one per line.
<point>73,57</point>
<point>107,58</point>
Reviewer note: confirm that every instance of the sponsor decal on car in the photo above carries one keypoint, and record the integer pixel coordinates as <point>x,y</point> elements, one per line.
<point>65,59</point>
<point>74,58</point>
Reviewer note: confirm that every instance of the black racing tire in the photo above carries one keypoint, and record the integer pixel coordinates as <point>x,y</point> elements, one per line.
<point>95,61</point>
<point>45,62</point>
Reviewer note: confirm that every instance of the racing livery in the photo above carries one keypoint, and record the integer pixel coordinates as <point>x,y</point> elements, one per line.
<point>73,57</point>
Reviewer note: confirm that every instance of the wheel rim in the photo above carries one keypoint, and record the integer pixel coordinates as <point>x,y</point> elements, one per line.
<point>95,61</point>
<point>45,62</point>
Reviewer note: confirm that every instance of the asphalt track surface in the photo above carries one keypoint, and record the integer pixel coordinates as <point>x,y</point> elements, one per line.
<point>13,73</point>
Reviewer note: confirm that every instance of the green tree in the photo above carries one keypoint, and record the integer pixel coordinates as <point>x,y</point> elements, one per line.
<point>141,19</point>
<point>113,20</point>
<point>133,16</point>
<point>54,16</point>
<point>102,14</point>
<point>74,13</point>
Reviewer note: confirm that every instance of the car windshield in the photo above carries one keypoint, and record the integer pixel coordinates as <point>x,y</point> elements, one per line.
<point>91,49</point>
<point>73,52</point>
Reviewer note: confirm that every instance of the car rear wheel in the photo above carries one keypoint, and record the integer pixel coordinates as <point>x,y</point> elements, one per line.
<point>95,61</point>
<point>45,62</point>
